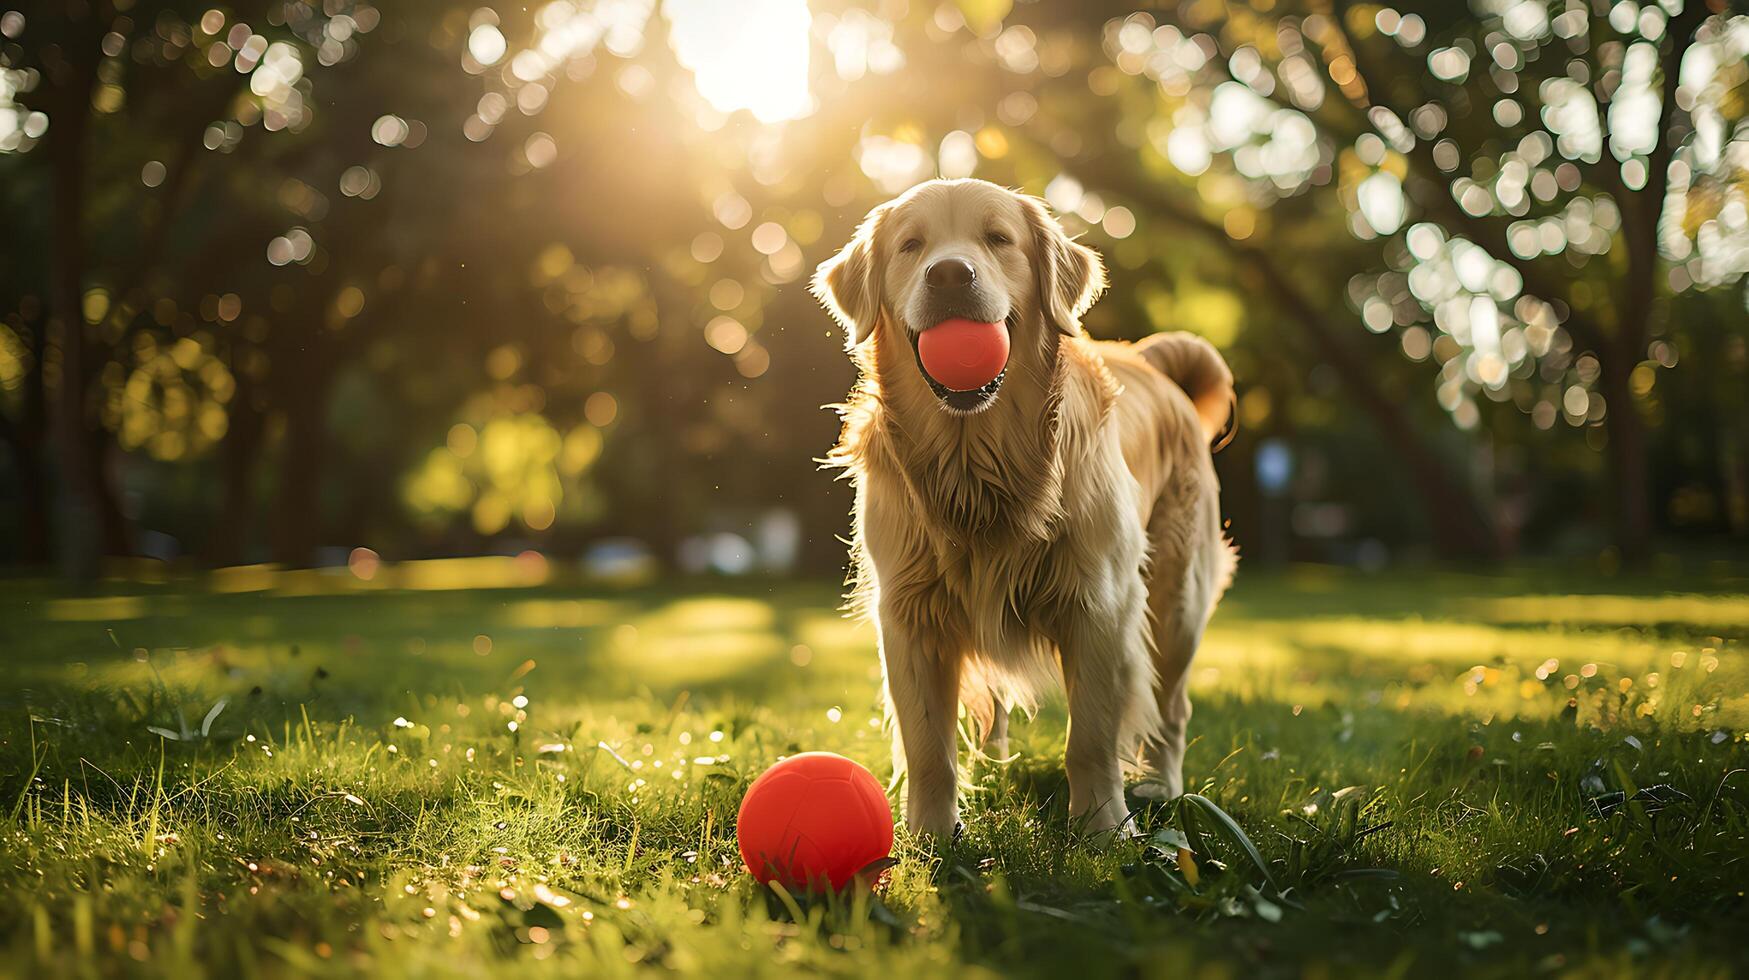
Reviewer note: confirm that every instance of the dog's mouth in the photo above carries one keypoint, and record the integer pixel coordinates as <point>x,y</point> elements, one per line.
<point>962,401</point>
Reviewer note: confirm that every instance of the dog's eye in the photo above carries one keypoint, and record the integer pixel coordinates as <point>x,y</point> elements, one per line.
<point>998,240</point>
<point>911,245</point>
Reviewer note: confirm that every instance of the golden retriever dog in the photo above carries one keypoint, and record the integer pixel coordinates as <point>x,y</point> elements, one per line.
<point>1064,517</point>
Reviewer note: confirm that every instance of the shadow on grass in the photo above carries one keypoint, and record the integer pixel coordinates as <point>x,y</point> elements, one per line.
<point>344,754</point>
<point>1484,852</point>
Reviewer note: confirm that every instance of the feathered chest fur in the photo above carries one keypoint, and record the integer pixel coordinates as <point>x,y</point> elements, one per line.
<point>993,513</point>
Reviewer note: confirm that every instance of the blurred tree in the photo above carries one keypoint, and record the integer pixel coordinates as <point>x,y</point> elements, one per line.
<point>1569,165</point>
<point>1658,114</point>
<point>123,96</point>
<point>23,395</point>
<point>538,276</point>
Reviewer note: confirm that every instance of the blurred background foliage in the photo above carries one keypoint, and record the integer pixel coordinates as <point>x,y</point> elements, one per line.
<point>313,282</point>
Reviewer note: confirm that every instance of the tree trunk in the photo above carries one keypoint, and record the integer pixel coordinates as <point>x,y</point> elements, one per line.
<point>237,458</point>
<point>296,518</point>
<point>1631,511</point>
<point>1458,523</point>
<point>115,531</point>
<point>1641,212</point>
<point>33,509</point>
<point>81,513</point>
<point>28,437</point>
<point>33,497</point>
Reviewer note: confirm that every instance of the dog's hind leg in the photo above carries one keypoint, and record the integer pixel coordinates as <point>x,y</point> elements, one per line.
<point>1184,583</point>
<point>1175,642</point>
<point>996,742</point>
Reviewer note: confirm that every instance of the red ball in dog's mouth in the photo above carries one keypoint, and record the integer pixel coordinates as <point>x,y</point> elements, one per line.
<point>964,355</point>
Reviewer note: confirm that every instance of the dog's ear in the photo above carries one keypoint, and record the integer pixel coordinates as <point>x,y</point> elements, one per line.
<point>849,284</point>
<point>1070,275</point>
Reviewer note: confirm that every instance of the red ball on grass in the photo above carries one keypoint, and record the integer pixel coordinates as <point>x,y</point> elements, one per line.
<point>814,820</point>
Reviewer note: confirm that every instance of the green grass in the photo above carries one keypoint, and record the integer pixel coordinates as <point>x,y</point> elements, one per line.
<point>1412,758</point>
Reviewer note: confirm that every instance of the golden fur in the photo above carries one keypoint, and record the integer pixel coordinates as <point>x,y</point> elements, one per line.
<point>1069,528</point>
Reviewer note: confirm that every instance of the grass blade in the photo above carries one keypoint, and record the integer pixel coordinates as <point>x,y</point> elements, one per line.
<point>1231,830</point>
<point>206,724</point>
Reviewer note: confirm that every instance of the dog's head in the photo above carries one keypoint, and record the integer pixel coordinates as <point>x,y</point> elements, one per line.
<point>961,249</point>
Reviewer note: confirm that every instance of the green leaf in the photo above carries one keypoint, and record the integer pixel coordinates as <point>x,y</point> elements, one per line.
<point>1230,828</point>
<point>1352,874</point>
<point>1266,910</point>
<point>1171,838</point>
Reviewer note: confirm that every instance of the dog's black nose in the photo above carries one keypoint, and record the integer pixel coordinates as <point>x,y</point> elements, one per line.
<point>950,274</point>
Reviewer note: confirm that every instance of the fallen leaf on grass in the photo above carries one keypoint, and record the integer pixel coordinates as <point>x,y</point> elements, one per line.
<point>1187,867</point>
<point>1652,798</point>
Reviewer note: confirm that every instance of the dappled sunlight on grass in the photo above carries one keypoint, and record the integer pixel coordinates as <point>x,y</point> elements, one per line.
<point>713,614</point>
<point>694,658</point>
<point>1466,668</point>
<point>100,609</point>
<point>366,574</point>
<point>831,630</point>
<point>377,764</point>
<point>561,613</point>
<point>1611,610</point>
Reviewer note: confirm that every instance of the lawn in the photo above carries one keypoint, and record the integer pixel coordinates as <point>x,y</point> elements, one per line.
<point>478,767</point>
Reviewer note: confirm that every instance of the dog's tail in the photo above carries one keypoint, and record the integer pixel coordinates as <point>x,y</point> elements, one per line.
<point>1197,368</point>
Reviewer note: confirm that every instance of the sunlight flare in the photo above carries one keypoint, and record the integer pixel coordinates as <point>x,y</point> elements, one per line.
<point>751,55</point>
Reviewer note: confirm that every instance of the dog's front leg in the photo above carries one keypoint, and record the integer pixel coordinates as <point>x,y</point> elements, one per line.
<point>923,689</point>
<point>1104,661</point>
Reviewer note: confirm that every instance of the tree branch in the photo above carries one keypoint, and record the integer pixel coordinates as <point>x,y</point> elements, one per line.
<point>1465,528</point>
<point>1483,230</point>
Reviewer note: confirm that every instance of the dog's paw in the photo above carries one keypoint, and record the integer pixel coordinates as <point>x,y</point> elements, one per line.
<point>1106,825</point>
<point>943,827</point>
<point>1156,789</point>
<point>935,842</point>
